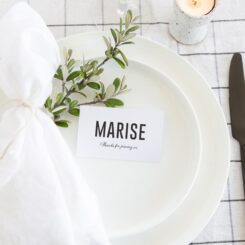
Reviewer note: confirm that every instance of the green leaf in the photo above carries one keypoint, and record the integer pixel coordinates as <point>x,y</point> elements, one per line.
<point>87,67</point>
<point>73,75</point>
<point>121,24</point>
<point>81,93</point>
<point>82,74</point>
<point>59,109</point>
<point>123,57</point>
<point>59,74</point>
<point>69,54</point>
<point>129,12</point>
<point>124,87</point>
<point>107,42</point>
<point>99,96</point>
<point>114,35</point>
<point>48,103</point>
<point>73,104</point>
<point>113,102</point>
<point>131,29</point>
<point>110,91</point>
<point>116,83</point>
<point>126,43</point>
<point>74,87</point>
<point>129,36</point>
<point>102,88</point>
<point>59,98</point>
<point>135,18</point>
<point>62,123</point>
<point>94,85</point>
<point>74,112</point>
<point>108,54</point>
<point>59,112</point>
<point>128,18</point>
<point>100,71</point>
<point>119,35</point>
<point>81,86</point>
<point>123,82</point>
<point>68,100</point>
<point>71,63</point>
<point>94,62</point>
<point>119,62</point>
<point>93,78</point>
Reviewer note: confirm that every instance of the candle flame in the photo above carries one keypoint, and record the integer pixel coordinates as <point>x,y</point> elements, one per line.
<point>194,2</point>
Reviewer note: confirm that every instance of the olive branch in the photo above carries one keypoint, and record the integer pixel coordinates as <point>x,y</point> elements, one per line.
<point>76,75</point>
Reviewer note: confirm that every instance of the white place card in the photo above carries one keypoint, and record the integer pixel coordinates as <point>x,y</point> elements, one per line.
<point>122,134</point>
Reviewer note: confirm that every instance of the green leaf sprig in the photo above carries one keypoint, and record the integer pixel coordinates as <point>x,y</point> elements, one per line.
<point>76,75</point>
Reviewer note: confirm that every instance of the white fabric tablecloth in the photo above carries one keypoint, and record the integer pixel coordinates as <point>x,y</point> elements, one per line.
<point>211,57</point>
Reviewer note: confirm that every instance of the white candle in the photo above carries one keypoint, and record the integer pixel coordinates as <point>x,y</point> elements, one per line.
<point>189,23</point>
<point>196,7</point>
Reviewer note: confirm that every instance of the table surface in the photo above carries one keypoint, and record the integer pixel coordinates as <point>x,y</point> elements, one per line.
<point>211,57</point>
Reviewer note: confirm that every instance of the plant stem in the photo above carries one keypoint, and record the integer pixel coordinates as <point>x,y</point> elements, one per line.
<point>92,102</point>
<point>107,58</point>
<point>63,86</point>
<point>102,101</point>
<point>103,62</point>
<point>69,92</point>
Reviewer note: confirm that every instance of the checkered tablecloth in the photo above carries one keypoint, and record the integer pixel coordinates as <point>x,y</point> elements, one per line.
<point>211,57</point>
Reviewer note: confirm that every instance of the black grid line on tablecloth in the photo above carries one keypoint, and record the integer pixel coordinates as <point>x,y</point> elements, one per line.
<point>139,23</point>
<point>220,242</point>
<point>219,88</point>
<point>230,209</point>
<point>102,14</point>
<point>216,62</point>
<point>141,17</point>
<point>65,17</point>
<point>233,200</point>
<point>228,182</point>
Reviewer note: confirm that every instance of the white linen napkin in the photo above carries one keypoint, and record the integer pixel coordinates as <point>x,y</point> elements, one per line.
<point>44,200</point>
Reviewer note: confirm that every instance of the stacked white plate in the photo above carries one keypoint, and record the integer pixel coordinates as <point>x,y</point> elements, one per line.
<point>168,202</point>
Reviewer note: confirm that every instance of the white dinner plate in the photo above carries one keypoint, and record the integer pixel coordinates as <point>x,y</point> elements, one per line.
<point>135,196</point>
<point>198,207</point>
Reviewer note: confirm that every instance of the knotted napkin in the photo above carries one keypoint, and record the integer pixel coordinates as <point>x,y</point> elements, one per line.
<point>44,200</point>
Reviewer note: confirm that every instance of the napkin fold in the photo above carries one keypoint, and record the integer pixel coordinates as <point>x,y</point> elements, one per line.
<point>44,199</point>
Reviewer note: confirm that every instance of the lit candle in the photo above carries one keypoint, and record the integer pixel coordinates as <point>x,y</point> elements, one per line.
<point>196,7</point>
<point>189,23</point>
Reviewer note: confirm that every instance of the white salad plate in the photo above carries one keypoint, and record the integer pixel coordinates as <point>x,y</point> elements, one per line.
<point>197,203</point>
<point>135,196</point>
